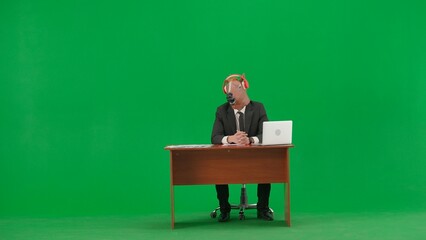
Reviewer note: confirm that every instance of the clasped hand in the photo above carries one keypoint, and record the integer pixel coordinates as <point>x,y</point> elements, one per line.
<point>240,138</point>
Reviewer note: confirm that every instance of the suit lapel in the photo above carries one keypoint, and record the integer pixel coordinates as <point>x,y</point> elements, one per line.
<point>231,119</point>
<point>248,116</point>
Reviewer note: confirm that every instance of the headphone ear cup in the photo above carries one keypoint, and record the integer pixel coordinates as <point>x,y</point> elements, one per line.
<point>244,82</point>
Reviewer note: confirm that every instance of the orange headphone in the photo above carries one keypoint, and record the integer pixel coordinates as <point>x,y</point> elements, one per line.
<point>241,78</point>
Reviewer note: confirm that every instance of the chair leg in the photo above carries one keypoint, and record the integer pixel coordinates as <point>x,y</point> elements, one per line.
<point>213,214</point>
<point>241,215</point>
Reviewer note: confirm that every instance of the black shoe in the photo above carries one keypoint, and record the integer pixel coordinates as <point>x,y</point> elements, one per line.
<point>224,217</point>
<point>265,215</point>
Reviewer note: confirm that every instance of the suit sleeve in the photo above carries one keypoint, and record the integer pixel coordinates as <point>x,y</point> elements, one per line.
<point>262,118</point>
<point>218,129</point>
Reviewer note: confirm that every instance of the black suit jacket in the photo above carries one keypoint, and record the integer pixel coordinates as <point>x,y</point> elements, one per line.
<point>225,123</point>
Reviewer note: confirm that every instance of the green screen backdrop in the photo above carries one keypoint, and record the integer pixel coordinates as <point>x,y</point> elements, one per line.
<point>92,91</point>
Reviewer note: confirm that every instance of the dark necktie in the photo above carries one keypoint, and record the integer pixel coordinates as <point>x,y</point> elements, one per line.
<point>241,121</point>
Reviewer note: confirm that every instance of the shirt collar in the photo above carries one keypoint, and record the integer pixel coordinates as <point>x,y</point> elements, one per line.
<point>242,110</point>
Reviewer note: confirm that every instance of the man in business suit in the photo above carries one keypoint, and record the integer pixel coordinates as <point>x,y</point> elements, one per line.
<point>240,121</point>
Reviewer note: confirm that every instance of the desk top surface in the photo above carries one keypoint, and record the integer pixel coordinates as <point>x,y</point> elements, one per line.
<point>223,146</point>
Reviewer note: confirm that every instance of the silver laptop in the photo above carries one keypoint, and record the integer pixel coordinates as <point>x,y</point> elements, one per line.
<point>277,132</point>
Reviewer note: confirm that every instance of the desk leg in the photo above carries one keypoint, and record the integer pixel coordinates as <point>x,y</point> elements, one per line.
<point>287,189</point>
<point>172,202</point>
<point>287,204</point>
<point>172,197</point>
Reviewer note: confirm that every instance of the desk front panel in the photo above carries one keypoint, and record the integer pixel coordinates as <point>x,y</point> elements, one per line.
<point>230,166</point>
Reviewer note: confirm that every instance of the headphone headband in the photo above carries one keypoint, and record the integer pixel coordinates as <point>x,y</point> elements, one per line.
<point>237,76</point>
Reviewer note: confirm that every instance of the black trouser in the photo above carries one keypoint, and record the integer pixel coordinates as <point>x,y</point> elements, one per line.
<point>263,191</point>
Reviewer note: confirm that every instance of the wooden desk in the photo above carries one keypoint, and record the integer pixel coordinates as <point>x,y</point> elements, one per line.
<point>200,164</point>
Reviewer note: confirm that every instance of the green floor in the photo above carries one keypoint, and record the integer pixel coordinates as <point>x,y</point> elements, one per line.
<point>386,226</point>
